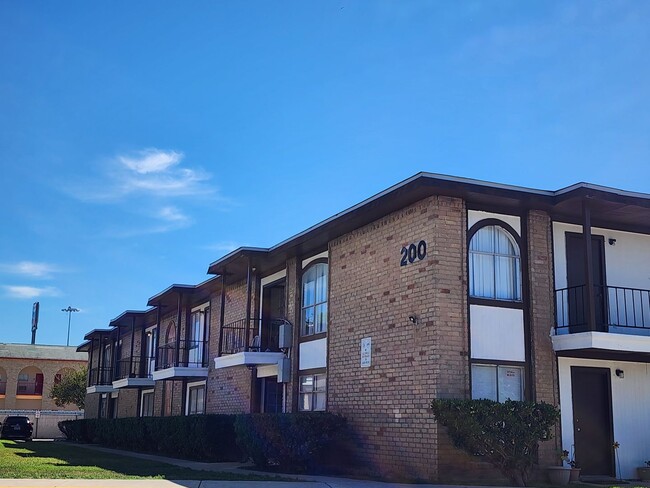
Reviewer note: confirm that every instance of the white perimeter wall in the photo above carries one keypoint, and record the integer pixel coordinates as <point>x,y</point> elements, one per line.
<point>630,409</point>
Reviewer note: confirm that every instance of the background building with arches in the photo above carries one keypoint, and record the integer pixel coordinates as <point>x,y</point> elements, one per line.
<point>28,372</point>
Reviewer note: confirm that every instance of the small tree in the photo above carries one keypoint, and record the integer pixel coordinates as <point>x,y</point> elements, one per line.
<point>505,434</point>
<point>71,389</point>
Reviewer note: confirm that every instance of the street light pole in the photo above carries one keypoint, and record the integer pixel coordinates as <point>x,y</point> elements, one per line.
<point>69,310</point>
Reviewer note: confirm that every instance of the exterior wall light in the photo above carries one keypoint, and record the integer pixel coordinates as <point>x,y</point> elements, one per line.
<point>413,319</point>
<point>620,373</point>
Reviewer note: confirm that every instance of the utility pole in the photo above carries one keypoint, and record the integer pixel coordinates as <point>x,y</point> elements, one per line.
<point>69,310</point>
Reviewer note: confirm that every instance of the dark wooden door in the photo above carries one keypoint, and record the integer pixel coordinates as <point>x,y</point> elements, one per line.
<point>592,420</point>
<point>38,384</point>
<point>576,281</point>
<point>273,305</point>
<point>272,395</point>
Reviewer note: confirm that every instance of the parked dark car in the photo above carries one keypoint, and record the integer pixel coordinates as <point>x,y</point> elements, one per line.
<point>17,427</point>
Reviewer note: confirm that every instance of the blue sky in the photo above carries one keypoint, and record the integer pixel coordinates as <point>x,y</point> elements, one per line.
<point>140,141</point>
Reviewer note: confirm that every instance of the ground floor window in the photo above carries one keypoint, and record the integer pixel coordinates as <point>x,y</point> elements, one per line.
<point>497,382</point>
<point>313,392</point>
<point>196,400</point>
<point>146,408</point>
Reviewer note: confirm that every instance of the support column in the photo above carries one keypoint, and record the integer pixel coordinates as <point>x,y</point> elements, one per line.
<point>589,259</point>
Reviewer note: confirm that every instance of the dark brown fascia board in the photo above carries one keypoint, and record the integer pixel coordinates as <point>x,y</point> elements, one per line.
<point>168,293</point>
<point>84,346</point>
<point>411,190</point>
<point>126,317</point>
<point>98,333</point>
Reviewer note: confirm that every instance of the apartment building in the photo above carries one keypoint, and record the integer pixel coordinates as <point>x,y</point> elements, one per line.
<point>438,287</point>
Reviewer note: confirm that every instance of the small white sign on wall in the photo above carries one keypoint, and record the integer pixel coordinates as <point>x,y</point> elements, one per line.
<point>366,352</point>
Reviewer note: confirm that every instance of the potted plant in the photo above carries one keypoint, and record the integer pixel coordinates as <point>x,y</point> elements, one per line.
<point>644,472</point>
<point>575,468</point>
<point>560,475</point>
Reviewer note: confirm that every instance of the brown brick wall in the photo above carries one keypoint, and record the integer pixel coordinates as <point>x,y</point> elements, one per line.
<point>127,404</point>
<point>91,408</point>
<point>371,295</point>
<point>229,390</point>
<point>544,365</point>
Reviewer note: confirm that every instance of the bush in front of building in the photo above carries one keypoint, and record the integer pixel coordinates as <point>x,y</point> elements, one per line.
<point>198,437</point>
<point>294,442</point>
<point>505,434</point>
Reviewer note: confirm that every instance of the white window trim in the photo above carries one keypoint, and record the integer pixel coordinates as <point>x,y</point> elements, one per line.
<point>324,254</point>
<point>187,395</point>
<point>200,308</point>
<point>142,394</point>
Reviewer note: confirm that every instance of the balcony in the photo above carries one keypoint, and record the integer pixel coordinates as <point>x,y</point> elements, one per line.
<point>134,372</point>
<point>182,359</point>
<point>100,380</point>
<point>29,388</point>
<point>621,321</point>
<point>241,343</point>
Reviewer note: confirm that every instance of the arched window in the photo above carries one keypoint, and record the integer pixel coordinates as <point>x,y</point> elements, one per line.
<point>314,300</point>
<point>494,264</point>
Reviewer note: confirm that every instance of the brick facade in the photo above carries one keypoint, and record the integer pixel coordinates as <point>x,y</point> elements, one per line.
<point>371,295</point>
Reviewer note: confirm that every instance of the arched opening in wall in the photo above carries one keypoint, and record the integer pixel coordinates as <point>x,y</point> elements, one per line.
<point>29,388</point>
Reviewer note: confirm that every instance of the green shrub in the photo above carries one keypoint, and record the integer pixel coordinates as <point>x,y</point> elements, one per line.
<point>198,437</point>
<point>505,434</point>
<point>292,441</point>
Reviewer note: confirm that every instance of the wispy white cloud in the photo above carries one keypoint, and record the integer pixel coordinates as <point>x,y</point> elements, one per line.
<point>149,172</point>
<point>28,292</point>
<point>30,268</point>
<point>172,214</point>
<point>151,160</point>
<point>170,218</point>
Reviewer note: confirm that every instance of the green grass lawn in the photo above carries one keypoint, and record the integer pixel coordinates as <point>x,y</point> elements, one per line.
<point>58,460</point>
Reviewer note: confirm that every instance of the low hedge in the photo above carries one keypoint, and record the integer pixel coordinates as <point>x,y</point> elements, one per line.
<point>298,442</point>
<point>198,437</point>
<point>291,442</point>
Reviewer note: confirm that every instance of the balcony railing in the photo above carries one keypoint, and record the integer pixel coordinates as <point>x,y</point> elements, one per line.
<point>100,376</point>
<point>616,309</point>
<point>243,335</point>
<point>29,388</point>
<point>135,367</point>
<point>191,354</point>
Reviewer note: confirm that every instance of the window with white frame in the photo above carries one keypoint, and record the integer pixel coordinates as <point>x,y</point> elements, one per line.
<point>494,265</point>
<point>313,392</point>
<point>146,408</point>
<point>196,400</point>
<point>497,382</point>
<point>314,300</point>
<point>198,337</point>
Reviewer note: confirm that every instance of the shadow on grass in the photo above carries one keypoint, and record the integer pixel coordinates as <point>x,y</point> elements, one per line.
<point>61,460</point>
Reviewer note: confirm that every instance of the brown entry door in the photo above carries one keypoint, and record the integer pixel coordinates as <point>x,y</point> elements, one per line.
<point>577,279</point>
<point>592,420</point>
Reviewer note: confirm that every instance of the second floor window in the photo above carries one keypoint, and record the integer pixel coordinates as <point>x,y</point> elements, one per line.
<point>494,265</point>
<point>314,300</point>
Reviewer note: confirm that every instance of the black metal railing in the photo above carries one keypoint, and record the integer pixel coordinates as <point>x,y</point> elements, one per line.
<point>100,376</point>
<point>614,307</point>
<point>134,367</point>
<point>29,387</point>
<point>244,335</point>
<point>186,354</point>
